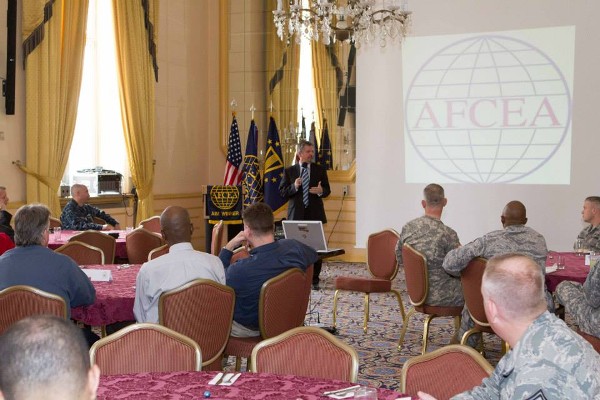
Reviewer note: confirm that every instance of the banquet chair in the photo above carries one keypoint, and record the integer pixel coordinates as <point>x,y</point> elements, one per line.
<point>281,307</point>
<point>306,351</point>
<point>82,253</point>
<point>218,238</point>
<point>593,340</point>
<point>55,222</point>
<point>5,243</point>
<point>100,240</point>
<point>202,310</point>
<point>238,254</point>
<point>157,252</point>
<point>21,301</point>
<point>151,224</point>
<point>98,220</point>
<point>145,347</point>
<point>139,243</point>
<point>383,267</point>
<point>417,286</point>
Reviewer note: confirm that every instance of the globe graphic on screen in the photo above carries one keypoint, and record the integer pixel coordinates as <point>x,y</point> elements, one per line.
<point>487,109</point>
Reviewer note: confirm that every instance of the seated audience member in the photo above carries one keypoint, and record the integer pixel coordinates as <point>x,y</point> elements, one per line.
<point>591,214</point>
<point>79,216</point>
<point>5,216</point>
<point>268,258</point>
<point>429,236</point>
<point>547,359</point>
<point>45,357</point>
<point>515,237</point>
<point>181,265</point>
<point>5,243</point>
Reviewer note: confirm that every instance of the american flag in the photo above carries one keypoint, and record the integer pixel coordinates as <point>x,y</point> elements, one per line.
<point>233,172</point>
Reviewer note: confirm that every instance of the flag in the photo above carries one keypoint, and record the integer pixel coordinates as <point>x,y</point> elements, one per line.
<point>303,133</point>
<point>273,169</point>
<point>233,173</point>
<point>325,157</point>
<point>313,139</point>
<point>252,184</point>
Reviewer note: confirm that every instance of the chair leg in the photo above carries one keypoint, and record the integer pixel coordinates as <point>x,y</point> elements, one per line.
<point>404,327</point>
<point>366,319</point>
<point>335,295</point>
<point>426,332</point>
<point>238,363</point>
<point>400,303</point>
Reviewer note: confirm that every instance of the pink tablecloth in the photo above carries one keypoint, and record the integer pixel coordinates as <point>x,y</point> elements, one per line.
<point>120,249</point>
<point>192,385</point>
<point>114,300</point>
<point>575,269</point>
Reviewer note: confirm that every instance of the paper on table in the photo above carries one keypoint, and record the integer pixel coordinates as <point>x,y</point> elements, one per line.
<point>98,275</point>
<point>552,268</point>
<point>344,395</point>
<point>216,379</point>
<point>230,381</point>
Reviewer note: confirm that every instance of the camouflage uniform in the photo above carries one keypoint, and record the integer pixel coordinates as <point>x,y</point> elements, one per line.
<point>591,237</point>
<point>583,302</point>
<point>550,361</point>
<point>433,239</point>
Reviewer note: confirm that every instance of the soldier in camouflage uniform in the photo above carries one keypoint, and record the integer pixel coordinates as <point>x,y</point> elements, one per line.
<point>547,359</point>
<point>582,302</point>
<point>515,237</point>
<point>591,214</point>
<point>429,236</point>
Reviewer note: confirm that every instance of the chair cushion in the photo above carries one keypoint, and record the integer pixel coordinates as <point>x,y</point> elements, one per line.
<point>241,347</point>
<point>365,285</point>
<point>442,311</point>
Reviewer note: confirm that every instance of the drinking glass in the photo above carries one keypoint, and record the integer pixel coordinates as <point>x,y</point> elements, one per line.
<point>578,247</point>
<point>366,393</point>
<point>57,234</point>
<point>560,262</point>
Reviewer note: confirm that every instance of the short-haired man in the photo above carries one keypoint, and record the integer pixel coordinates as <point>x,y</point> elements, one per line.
<point>79,216</point>
<point>32,263</point>
<point>268,258</point>
<point>429,236</point>
<point>591,215</point>
<point>547,359</point>
<point>5,216</point>
<point>181,265</point>
<point>46,357</point>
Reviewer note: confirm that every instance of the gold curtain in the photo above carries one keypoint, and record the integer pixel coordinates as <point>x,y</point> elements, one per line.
<point>53,79</point>
<point>136,88</point>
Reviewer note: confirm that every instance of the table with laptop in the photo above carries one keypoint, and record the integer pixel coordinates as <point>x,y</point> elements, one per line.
<point>312,234</point>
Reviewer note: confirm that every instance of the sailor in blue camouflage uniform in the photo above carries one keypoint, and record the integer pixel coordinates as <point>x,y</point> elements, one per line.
<point>429,236</point>
<point>591,214</point>
<point>78,216</point>
<point>515,237</point>
<point>547,360</point>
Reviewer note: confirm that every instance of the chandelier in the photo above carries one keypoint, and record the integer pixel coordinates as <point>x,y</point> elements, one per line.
<point>357,21</point>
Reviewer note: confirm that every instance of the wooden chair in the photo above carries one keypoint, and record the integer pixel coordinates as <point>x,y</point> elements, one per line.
<point>218,238</point>
<point>282,306</point>
<point>444,372</point>
<point>151,224</point>
<point>55,222</point>
<point>202,310</point>
<point>159,251</point>
<point>139,243</point>
<point>306,351</point>
<point>145,348</point>
<point>82,253</point>
<point>100,240</point>
<point>417,286</point>
<point>383,267</point>
<point>21,301</point>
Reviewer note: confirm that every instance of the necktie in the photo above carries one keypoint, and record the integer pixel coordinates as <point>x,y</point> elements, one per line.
<point>305,183</point>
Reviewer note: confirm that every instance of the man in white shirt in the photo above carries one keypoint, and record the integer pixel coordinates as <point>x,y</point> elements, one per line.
<point>181,265</point>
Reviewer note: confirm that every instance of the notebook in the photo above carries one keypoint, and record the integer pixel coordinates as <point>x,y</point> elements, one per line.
<point>308,232</point>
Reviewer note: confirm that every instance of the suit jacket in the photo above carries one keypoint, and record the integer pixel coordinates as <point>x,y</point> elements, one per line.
<point>296,210</point>
<point>5,227</point>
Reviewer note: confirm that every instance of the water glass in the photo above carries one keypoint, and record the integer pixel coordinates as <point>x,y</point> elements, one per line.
<point>366,393</point>
<point>57,234</point>
<point>560,262</point>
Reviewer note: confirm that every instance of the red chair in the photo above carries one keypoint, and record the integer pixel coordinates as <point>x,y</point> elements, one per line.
<point>159,251</point>
<point>100,240</point>
<point>218,238</point>
<point>139,243</point>
<point>82,253</point>
<point>594,341</point>
<point>5,243</point>
<point>151,224</point>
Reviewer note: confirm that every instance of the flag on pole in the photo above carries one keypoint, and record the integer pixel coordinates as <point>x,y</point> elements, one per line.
<point>273,169</point>
<point>313,139</point>
<point>233,173</point>
<point>303,134</point>
<point>325,155</point>
<point>252,184</point>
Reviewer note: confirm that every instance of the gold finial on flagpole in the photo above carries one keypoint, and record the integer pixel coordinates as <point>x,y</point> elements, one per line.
<point>271,107</point>
<point>252,109</point>
<point>233,105</point>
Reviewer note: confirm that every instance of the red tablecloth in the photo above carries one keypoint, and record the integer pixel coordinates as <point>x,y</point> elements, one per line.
<point>575,269</point>
<point>192,385</point>
<point>65,235</point>
<point>114,300</point>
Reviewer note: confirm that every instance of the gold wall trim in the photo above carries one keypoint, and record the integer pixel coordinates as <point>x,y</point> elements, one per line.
<point>171,196</point>
<point>223,72</point>
<point>348,175</point>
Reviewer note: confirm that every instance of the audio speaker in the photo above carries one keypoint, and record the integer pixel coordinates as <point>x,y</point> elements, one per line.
<point>11,57</point>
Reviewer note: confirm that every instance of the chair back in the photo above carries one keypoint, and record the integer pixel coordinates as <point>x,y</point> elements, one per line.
<point>139,243</point>
<point>238,254</point>
<point>444,372</point>
<point>21,301</point>
<point>306,351</point>
<point>151,224</point>
<point>5,243</point>
<point>202,310</point>
<point>470,279</point>
<point>159,251</point>
<point>82,253</point>
<point>55,222</point>
<point>381,254</point>
<point>218,236</point>
<point>415,271</point>
<point>593,340</point>
<point>100,240</point>
<point>145,347</point>
<point>98,220</point>
<point>283,302</point>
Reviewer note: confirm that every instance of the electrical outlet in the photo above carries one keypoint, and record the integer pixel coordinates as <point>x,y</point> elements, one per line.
<point>345,190</point>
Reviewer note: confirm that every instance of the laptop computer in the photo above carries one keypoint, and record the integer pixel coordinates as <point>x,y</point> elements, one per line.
<point>308,232</point>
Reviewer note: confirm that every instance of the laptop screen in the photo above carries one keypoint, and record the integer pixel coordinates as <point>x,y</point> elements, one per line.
<point>308,232</point>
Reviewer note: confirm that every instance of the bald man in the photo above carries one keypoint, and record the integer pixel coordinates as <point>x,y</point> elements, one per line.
<point>547,360</point>
<point>79,216</point>
<point>181,265</point>
<point>515,237</point>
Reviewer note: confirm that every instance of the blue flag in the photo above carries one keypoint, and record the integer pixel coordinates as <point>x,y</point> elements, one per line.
<point>273,169</point>
<point>325,154</point>
<point>313,139</point>
<point>252,184</point>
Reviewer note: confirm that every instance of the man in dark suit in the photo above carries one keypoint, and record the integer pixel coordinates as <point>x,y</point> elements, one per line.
<point>306,200</point>
<point>5,216</point>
